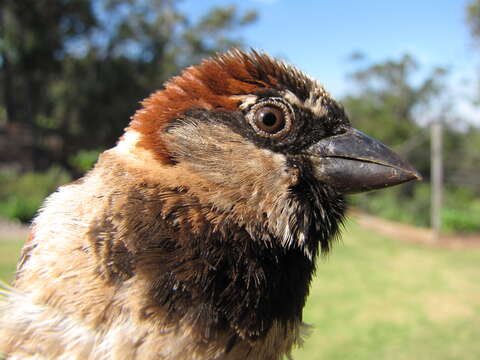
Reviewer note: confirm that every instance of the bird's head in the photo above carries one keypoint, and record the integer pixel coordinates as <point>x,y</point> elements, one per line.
<point>262,144</point>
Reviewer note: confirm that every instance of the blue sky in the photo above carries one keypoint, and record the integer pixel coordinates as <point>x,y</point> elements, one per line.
<point>319,36</point>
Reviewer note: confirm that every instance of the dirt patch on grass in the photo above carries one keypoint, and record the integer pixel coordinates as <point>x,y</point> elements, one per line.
<point>440,308</point>
<point>12,230</point>
<point>415,234</point>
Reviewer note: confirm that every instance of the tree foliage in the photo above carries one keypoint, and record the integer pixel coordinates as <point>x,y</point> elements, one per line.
<point>473,18</point>
<point>72,71</point>
<point>395,101</point>
<point>388,100</point>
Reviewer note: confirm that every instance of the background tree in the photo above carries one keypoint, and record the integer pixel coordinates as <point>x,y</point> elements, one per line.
<point>73,71</point>
<point>473,18</point>
<point>395,101</point>
<point>390,102</point>
<point>34,35</point>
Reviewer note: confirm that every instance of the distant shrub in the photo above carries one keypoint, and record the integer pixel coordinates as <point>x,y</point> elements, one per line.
<point>460,211</point>
<point>22,194</point>
<point>454,220</point>
<point>394,204</point>
<point>84,160</point>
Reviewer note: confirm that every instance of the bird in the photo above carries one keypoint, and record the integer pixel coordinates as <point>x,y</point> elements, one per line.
<point>197,235</point>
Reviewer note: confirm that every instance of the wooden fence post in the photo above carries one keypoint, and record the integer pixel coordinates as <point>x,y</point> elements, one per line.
<point>436,174</point>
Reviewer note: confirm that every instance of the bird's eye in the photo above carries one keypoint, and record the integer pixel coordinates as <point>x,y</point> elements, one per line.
<point>270,119</point>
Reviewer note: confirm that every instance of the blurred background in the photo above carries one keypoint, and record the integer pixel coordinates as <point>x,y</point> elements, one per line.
<point>404,281</point>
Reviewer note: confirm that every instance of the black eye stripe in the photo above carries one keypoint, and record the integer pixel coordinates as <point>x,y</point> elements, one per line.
<point>304,126</point>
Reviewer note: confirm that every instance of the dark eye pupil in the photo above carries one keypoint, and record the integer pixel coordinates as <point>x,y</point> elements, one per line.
<point>269,119</point>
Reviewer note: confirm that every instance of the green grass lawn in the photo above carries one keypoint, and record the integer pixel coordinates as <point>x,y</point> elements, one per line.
<point>376,298</point>
<point>9,253</point>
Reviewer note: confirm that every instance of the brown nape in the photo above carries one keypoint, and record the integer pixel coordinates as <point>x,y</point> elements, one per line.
<point>211,86</point>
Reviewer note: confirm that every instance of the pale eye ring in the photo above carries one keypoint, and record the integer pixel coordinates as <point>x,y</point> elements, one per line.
<point>271,118</point>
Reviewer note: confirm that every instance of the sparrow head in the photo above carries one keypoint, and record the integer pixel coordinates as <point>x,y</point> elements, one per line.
<point>262,144</point>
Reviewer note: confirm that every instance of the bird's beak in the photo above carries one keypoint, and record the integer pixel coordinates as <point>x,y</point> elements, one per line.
<point>353,162</point>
